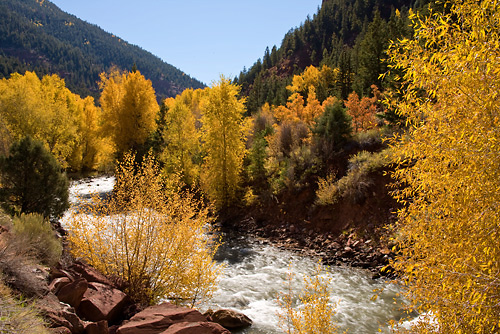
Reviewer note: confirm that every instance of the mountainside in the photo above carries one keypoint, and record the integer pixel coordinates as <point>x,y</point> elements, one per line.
<point>350,35</point>
<point>36,35</point>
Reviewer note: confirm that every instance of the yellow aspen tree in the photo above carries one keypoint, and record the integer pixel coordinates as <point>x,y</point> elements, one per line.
<point>362,111</point>
<point>449,167</point>
<point>181,140</point>
<point>311,312</point>
<point>224,133</point>
<point>313,109</point>
<point>92,150</point>
<point>5,137</point>
<point>293,111</point>
<point>129,105</point>
<point>60,130</point>
<point>43,109</point>
<point>323,81</point>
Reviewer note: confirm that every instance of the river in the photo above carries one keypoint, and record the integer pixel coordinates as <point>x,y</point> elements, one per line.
<point>255,272</point>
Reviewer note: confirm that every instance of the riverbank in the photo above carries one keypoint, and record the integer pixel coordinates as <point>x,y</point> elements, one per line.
<point>344,234</point>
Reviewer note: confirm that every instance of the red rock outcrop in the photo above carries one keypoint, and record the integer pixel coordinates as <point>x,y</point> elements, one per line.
<point>158,318</point>
<point>58,283</point>
<point>59,315</point>
<point>102,302</point>
<point>230,319</point>
<point>100,327</point>
<point>90,273</point>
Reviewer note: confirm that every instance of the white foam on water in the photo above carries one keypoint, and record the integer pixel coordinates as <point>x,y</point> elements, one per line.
<point>256,273</point>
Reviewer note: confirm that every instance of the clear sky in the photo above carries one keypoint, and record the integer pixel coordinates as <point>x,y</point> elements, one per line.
<point>202,38</point>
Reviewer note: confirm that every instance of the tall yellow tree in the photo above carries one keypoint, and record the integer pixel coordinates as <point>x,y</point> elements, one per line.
<point>43,109</point>
<point>323,80</point>
<point>449,167</point>
<point>224,132</point>
<point>362,111</point>
<point>129,105</point>
<point>92,150</point>
<point>181,138</point>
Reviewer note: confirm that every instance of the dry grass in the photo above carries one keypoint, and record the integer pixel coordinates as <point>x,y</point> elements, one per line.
<point>17,264</point>
<point>18,317</point>
<point>38,238</point>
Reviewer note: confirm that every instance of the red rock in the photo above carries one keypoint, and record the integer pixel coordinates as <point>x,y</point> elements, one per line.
<point>58,283</point>
<point>158,318</point>
<point>196,328</point>
<point>102,302</point>
<point>59,315</point>
<point>90,274</point>
<point>231,319</point>
<point>58,272</point>
<point>100,327</point>
<point>73,292</point>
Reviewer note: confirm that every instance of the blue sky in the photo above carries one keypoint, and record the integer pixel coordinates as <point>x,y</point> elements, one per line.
<point>202,38</point>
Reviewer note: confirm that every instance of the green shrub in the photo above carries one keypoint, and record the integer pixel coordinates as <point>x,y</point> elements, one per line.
<point>332,129</point>
<point>367,162</point>
<point>373,137</point>
<point>355,184</point>
<point>38,237</point>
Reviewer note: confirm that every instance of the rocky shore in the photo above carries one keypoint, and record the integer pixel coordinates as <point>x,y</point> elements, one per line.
<point>344,249</point>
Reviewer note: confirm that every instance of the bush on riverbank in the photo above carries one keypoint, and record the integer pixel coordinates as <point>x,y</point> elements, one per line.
<point>151,234</point>
<point>355,184</point>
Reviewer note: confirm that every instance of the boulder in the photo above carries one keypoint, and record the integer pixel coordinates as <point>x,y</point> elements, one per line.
<point>59,315</point>
<point>102,302</point>
<point>158,318</point>
<point>73,292</point>
<point>230,319</point>
<point>90,273</point>
<point>196,328</point>
<point>100,327</point>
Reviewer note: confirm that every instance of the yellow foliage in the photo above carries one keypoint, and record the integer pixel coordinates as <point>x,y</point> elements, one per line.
<point>46,110</point>
<point>449,166</point>
<point>43,109</point>
<point>152,234</point>
<point>181,137</point>
<point>363,110</point>
<point>314,313</point>
<point>92,150</point>
<point>224,134</point>
<point>313,78</point>
<point>129,105</point>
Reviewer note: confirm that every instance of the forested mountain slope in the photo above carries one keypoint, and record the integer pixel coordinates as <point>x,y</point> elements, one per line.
<point>37,35</point>
<point>345,34</point>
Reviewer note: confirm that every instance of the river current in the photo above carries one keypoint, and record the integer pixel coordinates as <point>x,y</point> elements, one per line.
<point>255,272</point>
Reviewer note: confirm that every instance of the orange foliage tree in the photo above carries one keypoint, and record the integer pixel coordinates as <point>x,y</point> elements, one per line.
<point>362,111</point>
